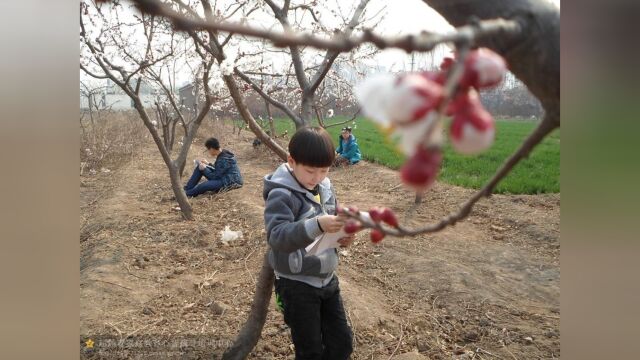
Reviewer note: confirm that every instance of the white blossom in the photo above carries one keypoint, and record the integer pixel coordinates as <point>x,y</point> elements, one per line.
<point>398,100</point>
<point>373,94</point>
<point>473,141</point>
<point>226,67</point>
<point>413,134</point>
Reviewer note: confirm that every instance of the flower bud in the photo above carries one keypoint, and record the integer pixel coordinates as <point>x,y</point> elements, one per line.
<point>472,129</point>
<point>389,217</point>
<point>376,214</point>
<point>352,226</point>
<point>483,69</point>
<point>376,236</point>
<point>421,170</point>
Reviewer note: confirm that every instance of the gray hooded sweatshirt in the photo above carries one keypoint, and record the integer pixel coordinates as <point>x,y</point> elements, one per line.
<point>290,218</point>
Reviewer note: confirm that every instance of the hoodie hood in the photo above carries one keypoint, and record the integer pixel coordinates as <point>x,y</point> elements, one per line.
<point>226,154</point>
<point>283,178</point>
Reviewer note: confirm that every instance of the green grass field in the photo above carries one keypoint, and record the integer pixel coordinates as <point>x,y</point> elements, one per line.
<point>540,173</point>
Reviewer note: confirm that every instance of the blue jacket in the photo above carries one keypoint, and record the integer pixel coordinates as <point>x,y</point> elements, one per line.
<point>225,169</point>
<point>349,149</point>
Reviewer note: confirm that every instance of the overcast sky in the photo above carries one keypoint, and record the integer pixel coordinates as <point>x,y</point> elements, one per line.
<point>407,17</point>
<point>400,17</point>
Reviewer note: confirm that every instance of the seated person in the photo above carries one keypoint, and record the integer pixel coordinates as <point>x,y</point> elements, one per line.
<point>223,174</point>
<point>348,150</point>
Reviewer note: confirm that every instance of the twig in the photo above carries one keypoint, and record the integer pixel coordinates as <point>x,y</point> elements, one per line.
<point>114,328</point>
<point>144,327</point>
<point>423,41</point>
<point>510,353</point>
<point>399,342</point>
<point>132,274</point>
<point>437,322</point>
<point>486,352</point>
<point>266,96</point>
<point>247,269</point>
<point>108,282</point>
<point>346,121</point>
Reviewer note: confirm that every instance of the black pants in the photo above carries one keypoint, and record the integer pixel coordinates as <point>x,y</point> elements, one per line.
<point>317,320</point>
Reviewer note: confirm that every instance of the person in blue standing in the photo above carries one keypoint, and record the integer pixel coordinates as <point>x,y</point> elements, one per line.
<point>223,174</point>
<point>348,151</point>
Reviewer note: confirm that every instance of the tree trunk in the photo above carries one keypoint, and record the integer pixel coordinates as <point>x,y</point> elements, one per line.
<point>248,118</point>
<point>306,111</point>
<point>319,116</point>
<point>250,333</point>
<point>176,186</point>
<point>166,137</point>
<point>181,197</point>
<point>173,133</point>
<point>190,133</point>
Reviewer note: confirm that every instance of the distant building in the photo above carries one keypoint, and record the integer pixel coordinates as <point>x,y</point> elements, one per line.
<point>188,98</point>
<point>114,98</point>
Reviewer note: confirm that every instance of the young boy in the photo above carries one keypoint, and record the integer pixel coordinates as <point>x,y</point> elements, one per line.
<point>223,174</point>
<point>348,150</point>
<point>299,206</point>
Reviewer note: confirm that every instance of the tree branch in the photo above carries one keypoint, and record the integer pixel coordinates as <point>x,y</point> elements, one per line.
<point>421,42</point>
<point>550,122</point>
<point>268,98</point>
<point>534,56</point>
<point>331,55</point>
<point>94,75</point>
<point>346,121</point>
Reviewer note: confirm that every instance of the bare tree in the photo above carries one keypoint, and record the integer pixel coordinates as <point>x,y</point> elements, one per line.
<point>128,69</point>
<point>309,77</point>
<point>210,42</point>
<point>168,123</point>
<point>95,102</point>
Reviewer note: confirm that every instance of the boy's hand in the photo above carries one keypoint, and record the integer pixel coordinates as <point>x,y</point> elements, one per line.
<point>347,240</point>
<point>330,223</point>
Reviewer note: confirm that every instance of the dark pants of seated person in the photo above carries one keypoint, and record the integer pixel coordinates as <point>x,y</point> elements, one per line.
<point>194,189</point>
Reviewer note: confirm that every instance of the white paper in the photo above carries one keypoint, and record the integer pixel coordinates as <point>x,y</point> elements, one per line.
<point>330,240</point>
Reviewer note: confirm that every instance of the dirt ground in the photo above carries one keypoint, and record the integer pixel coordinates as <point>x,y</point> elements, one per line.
<point>486,288</point>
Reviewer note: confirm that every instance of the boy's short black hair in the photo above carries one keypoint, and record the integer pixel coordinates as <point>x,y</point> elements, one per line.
<point>347,128</point>
<point>212,143</point>
<point>312,146</point>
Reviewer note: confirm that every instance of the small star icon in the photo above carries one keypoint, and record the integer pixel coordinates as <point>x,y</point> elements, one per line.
<point>89,343</point>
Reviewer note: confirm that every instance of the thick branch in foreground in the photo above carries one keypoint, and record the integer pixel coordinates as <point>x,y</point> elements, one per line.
<point>416,42</point>
<point>250,333</point>
<point>534,56</point>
